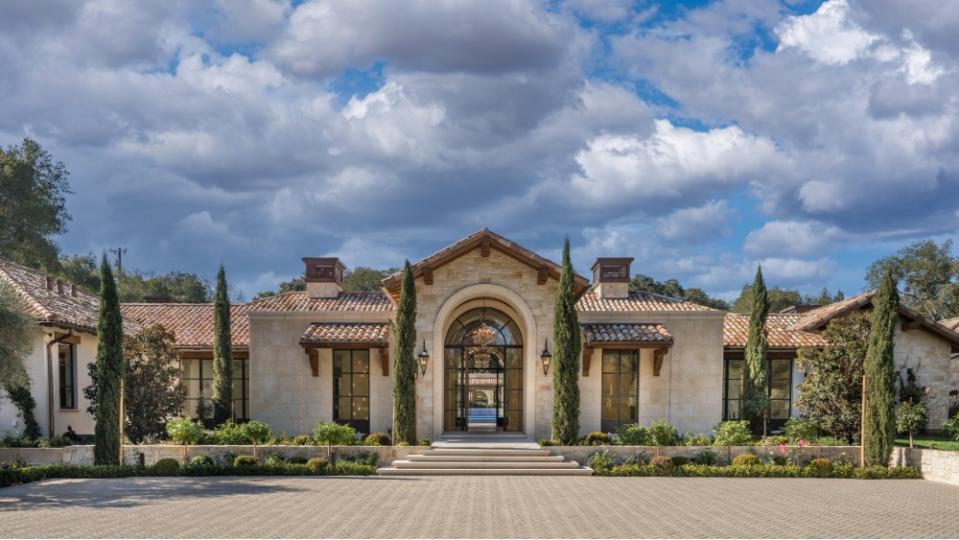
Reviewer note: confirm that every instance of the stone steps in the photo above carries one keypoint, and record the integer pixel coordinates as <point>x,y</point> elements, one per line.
<point>495,456</point>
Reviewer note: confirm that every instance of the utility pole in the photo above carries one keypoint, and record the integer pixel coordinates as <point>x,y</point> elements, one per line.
<point>120,251</point>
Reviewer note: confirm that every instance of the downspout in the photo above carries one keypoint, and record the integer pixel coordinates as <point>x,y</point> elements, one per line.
<point>56,340</point>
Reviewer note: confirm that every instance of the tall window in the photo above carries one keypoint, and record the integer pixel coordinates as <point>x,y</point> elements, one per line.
<point>620,389</point>
<point>351,388</point>
<point>779,391</point>
<point>67,370</point>
<point>197,378</point>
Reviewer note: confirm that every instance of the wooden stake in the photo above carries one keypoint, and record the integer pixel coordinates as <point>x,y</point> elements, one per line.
<point>862,424</point>
<point>122,416</point>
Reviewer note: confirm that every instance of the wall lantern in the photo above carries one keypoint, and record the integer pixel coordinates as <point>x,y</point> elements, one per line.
<point>546,357</point>
<point>424,358</point>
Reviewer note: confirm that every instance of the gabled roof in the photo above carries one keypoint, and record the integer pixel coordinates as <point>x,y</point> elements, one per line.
<point>300,301</point>
<point>626,333</point>
<point>73,308</point>
<point>635,302</point>
<point>818,318</point>
<point>952,324</point>
<point>484,239</point>
<point>346,333</point>
<point>191,324</point>
<point>780,332</point>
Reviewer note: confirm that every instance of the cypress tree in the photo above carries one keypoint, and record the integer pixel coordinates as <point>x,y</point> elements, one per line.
<point>566,350</point>
<point>755,399</point>
<point>222,353</point>
<point>109,370</point>
<point>404,362</point>
<point>879,420</point>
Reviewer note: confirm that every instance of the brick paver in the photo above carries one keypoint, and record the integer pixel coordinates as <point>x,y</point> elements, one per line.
<point>479,507</point>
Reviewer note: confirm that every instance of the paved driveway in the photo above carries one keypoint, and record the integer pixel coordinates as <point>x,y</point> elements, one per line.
<point>479,507</point>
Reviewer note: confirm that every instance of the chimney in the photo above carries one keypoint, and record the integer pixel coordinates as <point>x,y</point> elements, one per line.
<point>60,287</point>
<point>73,290</point>
<point>49,283</point>
<point>323,276</point>
<point>611,277</point>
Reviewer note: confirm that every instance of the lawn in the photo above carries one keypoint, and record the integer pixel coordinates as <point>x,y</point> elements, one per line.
<point>930,441</point>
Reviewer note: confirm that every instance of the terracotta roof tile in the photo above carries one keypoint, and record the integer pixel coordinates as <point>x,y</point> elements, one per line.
<point>817,318</point>
<point>345,333</point>
<point>637,301</point>
<point>66,310</point>
<point>952,324</point>
<point>639,333</point>
<point>780,331</point>
<point>347,301</point>
<point>192,324</point>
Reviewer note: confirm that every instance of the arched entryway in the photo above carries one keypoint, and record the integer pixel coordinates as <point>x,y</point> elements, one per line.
<point>483,372</point>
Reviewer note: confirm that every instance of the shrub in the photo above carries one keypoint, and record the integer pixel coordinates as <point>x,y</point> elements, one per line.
<point>346,466</point>
<point>773,440</point>
<point>662,433</point>
<point>831,441</point>
<point>765,471</point>
<point>632,435</point>
<point>302,440</point>
<point>244,461</point>
<point>548,442</point>
<point>822,465</point>
<point>166,467</point>
<point>296,460</point>
<point>700,439</point>
<point>600,461</point>
<point>331,433</point>
<point>201,460</point>
<point>274,460</point>
<point>230,432</point>
<point>424,442</point>
<point>184,431</point>
<point>377,439</point>
<point>256,432</point>
<point>317,465</point>
<point>732,433</point>
<point>57,441</point>
<point>680,460</point>
<point>799,429</point>
<point>706,457</point>
<point>745,460</point>
<point>951,427</point>
<point>597,438</point>
<point>662,464</point>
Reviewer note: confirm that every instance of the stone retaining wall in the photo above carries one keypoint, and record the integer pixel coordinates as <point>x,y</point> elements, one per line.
<point>936,465</point>
<point>724,453</point>
<point>83,454</point>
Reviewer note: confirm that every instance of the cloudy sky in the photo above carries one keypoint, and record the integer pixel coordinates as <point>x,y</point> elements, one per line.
<point>701,138</point>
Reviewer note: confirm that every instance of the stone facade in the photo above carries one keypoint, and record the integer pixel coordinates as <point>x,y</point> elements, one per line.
<point>925,354</point>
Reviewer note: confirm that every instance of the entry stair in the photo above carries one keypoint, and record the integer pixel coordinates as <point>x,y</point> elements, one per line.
<point>484,455</point>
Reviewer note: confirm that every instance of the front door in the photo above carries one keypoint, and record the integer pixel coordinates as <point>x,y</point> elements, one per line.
<point>483,373</point>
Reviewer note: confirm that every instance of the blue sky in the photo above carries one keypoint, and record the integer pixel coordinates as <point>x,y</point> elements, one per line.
<point>702,138</point>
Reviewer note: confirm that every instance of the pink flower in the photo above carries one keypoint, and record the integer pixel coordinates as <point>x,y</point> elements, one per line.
<point>802,442</point>
<point>782,449</point>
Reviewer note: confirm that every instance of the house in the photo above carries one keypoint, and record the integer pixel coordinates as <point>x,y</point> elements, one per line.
<point>484,331</point>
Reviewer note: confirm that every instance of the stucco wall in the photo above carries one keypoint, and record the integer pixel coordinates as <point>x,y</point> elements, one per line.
<point>283,391</point>
<point>36,365</point>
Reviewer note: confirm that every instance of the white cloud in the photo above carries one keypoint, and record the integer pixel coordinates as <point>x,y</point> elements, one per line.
<point>696,224</point>
<point>828,36</point>
<point>795,238</point>
<point>670,162</point>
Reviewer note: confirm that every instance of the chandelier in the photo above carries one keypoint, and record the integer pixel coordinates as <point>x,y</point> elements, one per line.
<point>481,351</point>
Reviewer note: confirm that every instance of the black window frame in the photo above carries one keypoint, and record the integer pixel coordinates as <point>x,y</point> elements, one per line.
<point>773,423</point>
<point>204,379</point>
<point>67,390</point>
<point>621,401</point>
<point>361,425</point>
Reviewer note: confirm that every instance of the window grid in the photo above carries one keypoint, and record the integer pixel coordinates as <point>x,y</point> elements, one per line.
<point>620,393</point>
<point>200,387</point>
<point>779,389</point>
<point>351,388</point>
<point>67,371</point>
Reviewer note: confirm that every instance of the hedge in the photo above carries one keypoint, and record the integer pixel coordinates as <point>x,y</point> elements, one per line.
<point>22,475</point>
<point>762,471</point>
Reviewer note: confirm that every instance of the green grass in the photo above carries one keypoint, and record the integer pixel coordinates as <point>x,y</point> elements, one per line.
<point>930,441</point>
